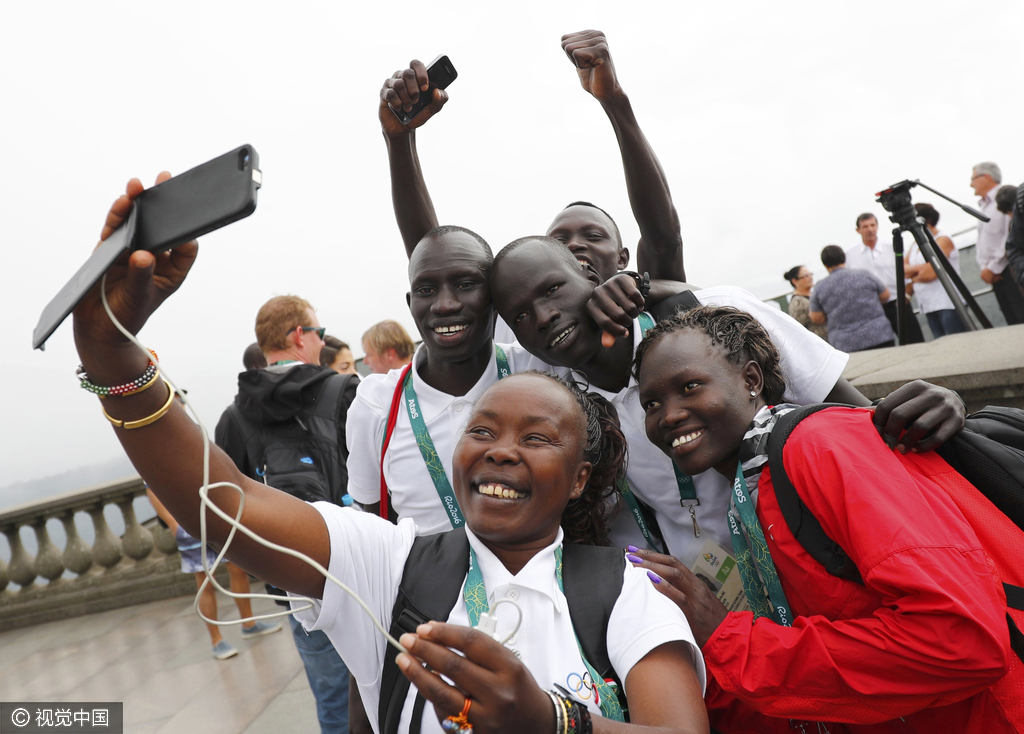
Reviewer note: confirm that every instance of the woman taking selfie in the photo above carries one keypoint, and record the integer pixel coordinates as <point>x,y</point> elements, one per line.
<point>530,474</point>
<point>921,645</point>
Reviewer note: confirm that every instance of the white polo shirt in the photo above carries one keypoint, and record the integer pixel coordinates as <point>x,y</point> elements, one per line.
<point>880,260</point>
<point>369,555</point>
<point>811,368</point>
<point>412,490</point>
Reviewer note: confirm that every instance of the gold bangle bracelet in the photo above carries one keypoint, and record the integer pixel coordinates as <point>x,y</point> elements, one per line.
<point>129,425</point>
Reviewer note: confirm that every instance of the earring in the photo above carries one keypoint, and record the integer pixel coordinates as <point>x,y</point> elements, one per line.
<point>753,393</point>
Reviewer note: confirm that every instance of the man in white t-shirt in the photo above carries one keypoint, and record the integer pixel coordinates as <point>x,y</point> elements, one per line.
<point>450,300</point>
<point>875,254</point>
<point>542,295</point>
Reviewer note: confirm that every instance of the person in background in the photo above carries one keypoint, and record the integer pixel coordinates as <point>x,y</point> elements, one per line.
<point>851,301</point>
<point>387,347</point>
<point>337,355</point>
<point>191,552</point>
<point>802,280</point>
<point>991,249</point>
<point>1015,242</point>
<point>252,357</point>
<point>876,255</point>
<point>931,295</point>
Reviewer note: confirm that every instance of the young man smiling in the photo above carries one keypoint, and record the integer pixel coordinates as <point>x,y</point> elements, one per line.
<point>450,300</point>
<point>542,294</point>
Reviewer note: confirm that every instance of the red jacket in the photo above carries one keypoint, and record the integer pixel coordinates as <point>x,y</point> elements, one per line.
<point>918,647</point>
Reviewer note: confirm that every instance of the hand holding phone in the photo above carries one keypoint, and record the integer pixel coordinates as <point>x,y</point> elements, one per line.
<point>414,95</point>
<point>175,211</point>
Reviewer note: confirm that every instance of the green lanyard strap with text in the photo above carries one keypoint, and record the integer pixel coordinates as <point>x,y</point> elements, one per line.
<point>426,445</point>
<point>474,594</point>
<point>684,482</point>
<point>760,579</point>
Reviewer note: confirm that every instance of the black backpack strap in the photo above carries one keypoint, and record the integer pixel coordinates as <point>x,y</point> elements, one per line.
<point>592,581</point>
<point>805,526</point>
<point>682,301</point>
<point>322,422</point>
<point>1014,596</point>
<point>253,444</point>
<point>431,582</point>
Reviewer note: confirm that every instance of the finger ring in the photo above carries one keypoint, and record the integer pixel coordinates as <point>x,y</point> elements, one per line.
<point>459,723</point>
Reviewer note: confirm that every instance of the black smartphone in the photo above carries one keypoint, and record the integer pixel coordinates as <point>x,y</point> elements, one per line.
<point>194,203</point>
<point>441,73</point>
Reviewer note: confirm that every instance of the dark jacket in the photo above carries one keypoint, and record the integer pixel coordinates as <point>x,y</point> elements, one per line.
<point>281,399</point>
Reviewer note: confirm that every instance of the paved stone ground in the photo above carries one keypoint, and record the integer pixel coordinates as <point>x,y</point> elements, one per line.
<point>156,659</point>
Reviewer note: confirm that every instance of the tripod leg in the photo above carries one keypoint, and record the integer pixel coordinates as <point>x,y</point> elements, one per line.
<point>958,282</point>
<point>901,287</point>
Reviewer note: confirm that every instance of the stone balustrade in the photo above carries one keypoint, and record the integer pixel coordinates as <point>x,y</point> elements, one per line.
<point>141,565</point>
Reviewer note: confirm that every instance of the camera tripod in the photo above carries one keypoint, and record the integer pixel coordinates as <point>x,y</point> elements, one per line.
<point>896,201</point>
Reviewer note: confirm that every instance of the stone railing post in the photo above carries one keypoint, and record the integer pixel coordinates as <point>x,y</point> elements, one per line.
<point>106,549</point>
<point>48,561</point>
<point>22,567</point>
<point>3,575</point>
<point>137,542</point>
<point>77,556</point>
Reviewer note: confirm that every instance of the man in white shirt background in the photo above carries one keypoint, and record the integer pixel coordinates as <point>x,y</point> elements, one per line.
<point>876,255</point>
<point>991,248</point>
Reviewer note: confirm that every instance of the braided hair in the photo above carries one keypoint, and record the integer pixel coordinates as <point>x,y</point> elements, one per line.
<point>740,336</point>
<point>587,519</point>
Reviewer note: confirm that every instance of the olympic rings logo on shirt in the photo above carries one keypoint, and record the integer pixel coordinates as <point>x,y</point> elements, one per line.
<point>583,688</point>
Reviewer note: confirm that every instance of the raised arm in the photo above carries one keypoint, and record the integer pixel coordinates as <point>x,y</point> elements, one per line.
<point>660,250</point>
<point>168,452</point>
<point>414,211</point>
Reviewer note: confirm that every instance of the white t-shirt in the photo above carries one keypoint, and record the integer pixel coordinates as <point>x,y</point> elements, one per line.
<point>412,490</point>
<point>932,296</point>
<point>368,555</point>
<point>879,260</point>
<point>811,368</point>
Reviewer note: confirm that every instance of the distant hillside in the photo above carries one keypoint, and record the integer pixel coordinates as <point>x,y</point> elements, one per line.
<point>35,489</point>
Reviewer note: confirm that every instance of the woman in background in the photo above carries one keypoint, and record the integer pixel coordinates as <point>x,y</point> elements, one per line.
<point>802,281</point>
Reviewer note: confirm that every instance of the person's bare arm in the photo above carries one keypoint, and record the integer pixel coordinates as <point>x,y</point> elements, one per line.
<point>926,273</point>
<point>162,512</point>
<point>414,210</point>
<point>660,250</point>
<point>884,296</point>
<point>168,453</point>
<point>817,317</point>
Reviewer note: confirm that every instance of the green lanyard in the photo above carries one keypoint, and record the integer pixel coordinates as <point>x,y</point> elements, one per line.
<point>426,444</point>
<point>474,594</point>
<point>684,482</point>
<point>760,579</point>
<point>638,514</point>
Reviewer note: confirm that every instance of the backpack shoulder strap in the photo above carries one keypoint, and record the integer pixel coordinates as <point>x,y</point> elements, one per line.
<point>253,444</point>
<point>592,580</point>
<point>804,525</point>
<point>389,429</point>
<point>326,405</point>
<point>431,582</point>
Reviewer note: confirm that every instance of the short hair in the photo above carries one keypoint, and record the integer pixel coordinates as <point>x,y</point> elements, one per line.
<point>1005,198</point>
<point>276,317</point>
<point>252,357</point>
<point>929,213</point>
<point>559,248</point>
<point>387,335</point>
<point>865,216</point>
<point>450,228</point>
<point>990,168</point>
<point>615,227</point>
<point>329,352</point>
<point>792,274</point>
<point>832,255</point>
<point>738,333</point>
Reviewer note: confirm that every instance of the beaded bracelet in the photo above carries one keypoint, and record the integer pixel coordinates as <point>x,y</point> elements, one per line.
<point>144,381</point>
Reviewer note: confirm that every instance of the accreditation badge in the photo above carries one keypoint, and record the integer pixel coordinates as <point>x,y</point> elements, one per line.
<point>717,568</point>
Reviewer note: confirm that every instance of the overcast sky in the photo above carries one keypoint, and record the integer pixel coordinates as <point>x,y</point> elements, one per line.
<point>775,124</point>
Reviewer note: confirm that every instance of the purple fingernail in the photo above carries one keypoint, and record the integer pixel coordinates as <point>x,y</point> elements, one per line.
<point>634,559</point>
<point>632,549</point>
<point>654,577</point>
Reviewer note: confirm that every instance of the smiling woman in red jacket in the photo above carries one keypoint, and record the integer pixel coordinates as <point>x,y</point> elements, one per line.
<point>921,646</point>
